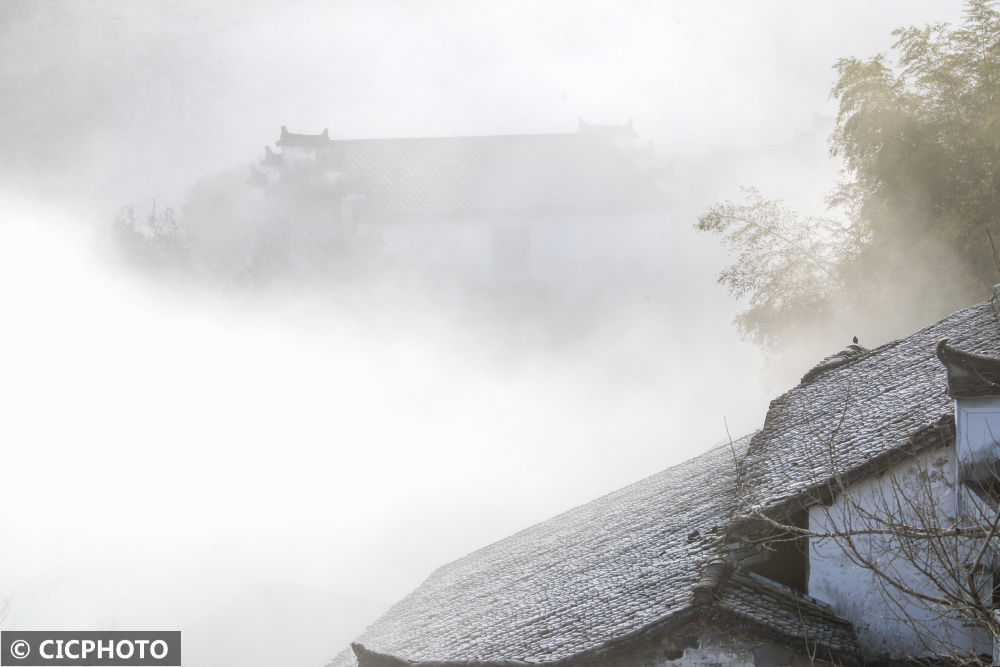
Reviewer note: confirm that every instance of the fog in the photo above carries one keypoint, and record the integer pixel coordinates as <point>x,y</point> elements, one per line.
<point>267,466</point>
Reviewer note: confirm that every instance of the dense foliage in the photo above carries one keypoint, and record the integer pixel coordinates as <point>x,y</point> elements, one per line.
<point>919,136</point>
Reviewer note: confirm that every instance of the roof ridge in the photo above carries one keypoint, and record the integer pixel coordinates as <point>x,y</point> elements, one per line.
<point>844,357</point>
<point>528,135</point>
<point>817,371</point>
<point>994,302</point>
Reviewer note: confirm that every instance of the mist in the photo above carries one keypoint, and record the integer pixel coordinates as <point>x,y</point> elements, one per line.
<point>268,463</point>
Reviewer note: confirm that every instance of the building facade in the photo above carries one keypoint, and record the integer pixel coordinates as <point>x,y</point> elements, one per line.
<point>558,211</point>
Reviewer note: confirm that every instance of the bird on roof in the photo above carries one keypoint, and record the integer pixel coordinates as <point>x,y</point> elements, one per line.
<point>837,359</point>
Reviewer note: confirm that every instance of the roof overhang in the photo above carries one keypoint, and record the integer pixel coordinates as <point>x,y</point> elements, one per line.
<point>970,375</point>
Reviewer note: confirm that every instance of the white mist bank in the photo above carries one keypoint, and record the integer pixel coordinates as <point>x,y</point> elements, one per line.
<point>267,472</point>
<point>273,471</point>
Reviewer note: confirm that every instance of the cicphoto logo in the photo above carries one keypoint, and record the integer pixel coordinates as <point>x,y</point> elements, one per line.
<point>29,648</point>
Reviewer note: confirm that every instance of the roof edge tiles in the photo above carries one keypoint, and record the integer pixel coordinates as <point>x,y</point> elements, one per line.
<point>730,611</point>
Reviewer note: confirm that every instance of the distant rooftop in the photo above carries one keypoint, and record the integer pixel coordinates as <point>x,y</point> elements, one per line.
<point>289,139</point>
<point>587,170</point>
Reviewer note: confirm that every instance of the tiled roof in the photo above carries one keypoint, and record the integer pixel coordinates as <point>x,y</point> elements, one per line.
<point>493,174</point>
<point>607,572</point>
<point>573,583</point>
<point>870,407</point>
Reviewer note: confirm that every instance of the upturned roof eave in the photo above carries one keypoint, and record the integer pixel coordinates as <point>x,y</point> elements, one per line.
<point>970,375</point>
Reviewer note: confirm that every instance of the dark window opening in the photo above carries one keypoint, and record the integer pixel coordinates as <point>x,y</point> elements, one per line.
<point>787,561</point>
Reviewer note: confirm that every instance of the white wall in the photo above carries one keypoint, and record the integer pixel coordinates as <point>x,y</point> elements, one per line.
<point>460,246</point>
<point>978,424</point>
<point>599,251</point>
<point>879,613</point>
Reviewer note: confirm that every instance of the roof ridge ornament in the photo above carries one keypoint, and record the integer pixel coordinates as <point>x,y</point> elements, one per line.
<point>969,374</point>
<point>294,139</point>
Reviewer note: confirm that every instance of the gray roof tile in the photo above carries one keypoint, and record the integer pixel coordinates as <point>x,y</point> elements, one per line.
<point>792,620</point>
<point>575,582</point>
<point>865,408</point>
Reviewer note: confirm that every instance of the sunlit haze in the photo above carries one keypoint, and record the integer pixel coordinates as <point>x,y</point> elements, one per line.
<point>268,467</point>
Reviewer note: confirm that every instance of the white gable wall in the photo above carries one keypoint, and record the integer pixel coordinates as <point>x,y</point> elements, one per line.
<point>887,621</point>
<point>978,425</point>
